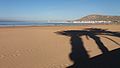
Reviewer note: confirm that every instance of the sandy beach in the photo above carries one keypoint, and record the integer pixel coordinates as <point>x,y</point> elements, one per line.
<point>45,47</point>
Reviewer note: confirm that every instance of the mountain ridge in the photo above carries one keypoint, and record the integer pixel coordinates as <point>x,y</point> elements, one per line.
<point>96,17</point>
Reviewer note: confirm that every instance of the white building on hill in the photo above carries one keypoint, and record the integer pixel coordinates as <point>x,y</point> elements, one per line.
<point>92,21</point>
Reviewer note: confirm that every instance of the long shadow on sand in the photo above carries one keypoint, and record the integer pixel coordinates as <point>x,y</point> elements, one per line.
<point>79,55</point>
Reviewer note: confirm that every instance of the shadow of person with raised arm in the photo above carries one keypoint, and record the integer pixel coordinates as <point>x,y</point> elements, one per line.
<point>79,55</point>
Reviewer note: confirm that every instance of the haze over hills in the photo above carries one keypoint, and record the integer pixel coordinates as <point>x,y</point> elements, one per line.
<point>96,17</point>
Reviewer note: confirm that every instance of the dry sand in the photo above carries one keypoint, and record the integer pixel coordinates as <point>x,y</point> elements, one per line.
<point>41,47</point>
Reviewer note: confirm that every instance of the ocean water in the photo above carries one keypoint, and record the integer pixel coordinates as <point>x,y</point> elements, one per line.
<point>11,24</point>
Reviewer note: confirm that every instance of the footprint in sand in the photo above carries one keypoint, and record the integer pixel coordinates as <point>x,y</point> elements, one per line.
<point>2,56</point>
<point>16,53</point>
<point>58,66</point>
<point>21,52</point>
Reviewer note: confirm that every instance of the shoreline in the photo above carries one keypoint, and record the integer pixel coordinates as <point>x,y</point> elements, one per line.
<point>54,25</point>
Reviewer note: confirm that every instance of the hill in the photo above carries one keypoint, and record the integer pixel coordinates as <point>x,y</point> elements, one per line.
<point>100,18</point>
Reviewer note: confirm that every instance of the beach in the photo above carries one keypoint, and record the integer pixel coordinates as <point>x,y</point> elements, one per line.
<point>44,47</point>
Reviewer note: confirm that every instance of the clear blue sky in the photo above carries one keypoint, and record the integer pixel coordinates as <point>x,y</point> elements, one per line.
<point>57,9</point>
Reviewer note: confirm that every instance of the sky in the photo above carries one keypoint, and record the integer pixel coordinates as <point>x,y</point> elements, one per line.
<point>56,9</point>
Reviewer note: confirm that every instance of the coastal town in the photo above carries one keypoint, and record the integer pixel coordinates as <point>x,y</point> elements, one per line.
<point>98,19</point>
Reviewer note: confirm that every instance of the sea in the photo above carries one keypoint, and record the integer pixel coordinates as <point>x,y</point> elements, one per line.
<point>11,24</point>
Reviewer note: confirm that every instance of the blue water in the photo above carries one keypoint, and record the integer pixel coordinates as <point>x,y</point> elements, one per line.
<point>5,24</point>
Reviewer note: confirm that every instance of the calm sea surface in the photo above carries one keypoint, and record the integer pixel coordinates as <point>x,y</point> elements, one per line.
<point>6,24</point>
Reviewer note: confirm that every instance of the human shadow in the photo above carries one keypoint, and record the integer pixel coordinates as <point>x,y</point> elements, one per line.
<point>79,55</point>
